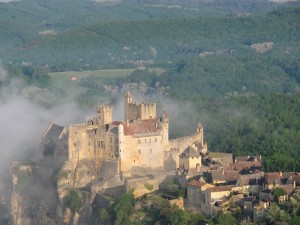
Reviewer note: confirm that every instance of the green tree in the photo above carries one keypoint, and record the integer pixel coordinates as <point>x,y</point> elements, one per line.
<point>72,200</point>
<point>124,208</point>
<point>273,213</point>
<point>175,216</point>
<point>226,219</point>
<point>103,215</point>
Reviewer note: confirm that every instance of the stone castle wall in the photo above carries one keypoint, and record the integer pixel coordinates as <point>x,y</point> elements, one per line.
<point>105,139</point>
<point>176,146</point>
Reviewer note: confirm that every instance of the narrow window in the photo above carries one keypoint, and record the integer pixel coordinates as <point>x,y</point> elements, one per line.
<point>140,151</point>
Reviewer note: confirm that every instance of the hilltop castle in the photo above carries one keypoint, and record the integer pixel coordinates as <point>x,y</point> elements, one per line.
<point>141,140</point>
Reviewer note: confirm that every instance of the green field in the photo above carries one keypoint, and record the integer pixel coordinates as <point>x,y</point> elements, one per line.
<point>63,80</point>
<point>112,73</point>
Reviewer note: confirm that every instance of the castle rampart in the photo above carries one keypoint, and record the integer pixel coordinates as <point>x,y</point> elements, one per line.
<point>141,140</point>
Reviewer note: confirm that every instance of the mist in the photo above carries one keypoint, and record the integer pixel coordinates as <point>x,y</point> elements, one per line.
<point>23,123</point>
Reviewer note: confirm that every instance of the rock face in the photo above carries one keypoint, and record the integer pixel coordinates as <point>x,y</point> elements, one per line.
<point>27,206</point>
<point>262,47</point>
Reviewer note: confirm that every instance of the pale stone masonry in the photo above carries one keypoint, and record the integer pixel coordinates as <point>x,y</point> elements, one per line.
<point>141,140</point>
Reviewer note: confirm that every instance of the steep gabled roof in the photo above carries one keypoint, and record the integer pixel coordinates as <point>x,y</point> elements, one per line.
<point>54,131</point>
<point>250,179</point>
<point>200,183</point>
<point>231,176</point>
<point>217,176</point>
<point>190,151</point>
<point>273,178</point>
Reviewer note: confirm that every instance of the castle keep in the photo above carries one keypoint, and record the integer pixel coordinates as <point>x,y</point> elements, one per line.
<point>141,140</point>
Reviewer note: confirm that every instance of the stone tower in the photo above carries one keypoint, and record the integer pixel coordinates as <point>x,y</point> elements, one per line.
<point>138,111</point>
<point>165,127</point>
<point>127,102</point>
<point>104,114</point>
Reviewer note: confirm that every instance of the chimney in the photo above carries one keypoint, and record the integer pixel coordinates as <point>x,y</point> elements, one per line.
<point>280,173</point>
<point>294,184</point>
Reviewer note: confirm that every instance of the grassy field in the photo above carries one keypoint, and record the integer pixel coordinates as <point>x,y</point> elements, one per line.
<point>113,73</point>
<point>69,80</point>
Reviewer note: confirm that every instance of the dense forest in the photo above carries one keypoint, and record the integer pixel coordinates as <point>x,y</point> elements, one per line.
<point>157,42</point>
<point>21,21</point>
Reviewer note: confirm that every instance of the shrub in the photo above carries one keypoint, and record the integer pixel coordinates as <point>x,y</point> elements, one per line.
<point>149,187</point>
<point>73,201</point>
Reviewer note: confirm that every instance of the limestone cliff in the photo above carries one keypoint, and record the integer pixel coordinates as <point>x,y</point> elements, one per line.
<point>29,205</point>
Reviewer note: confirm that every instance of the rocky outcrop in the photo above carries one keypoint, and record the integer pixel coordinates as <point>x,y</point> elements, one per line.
<point>27,206</point>
<point>262,47</point>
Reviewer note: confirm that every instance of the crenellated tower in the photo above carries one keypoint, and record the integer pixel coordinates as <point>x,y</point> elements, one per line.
<point>104,114</point>
<point>138,111</point>
<point>164,127</point>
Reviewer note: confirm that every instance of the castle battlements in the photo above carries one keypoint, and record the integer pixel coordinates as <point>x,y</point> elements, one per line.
<point>78,125</point>
<point>142,103</point>
<point>141,139</point>
<point>104,107</point>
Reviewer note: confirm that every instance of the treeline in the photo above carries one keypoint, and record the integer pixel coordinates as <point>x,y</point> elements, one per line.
<point>124,44</point>
<point>18,23</point>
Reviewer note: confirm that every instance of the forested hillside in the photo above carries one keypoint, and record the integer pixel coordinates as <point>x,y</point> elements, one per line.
<point>124,44</point>
<point>23,20</point>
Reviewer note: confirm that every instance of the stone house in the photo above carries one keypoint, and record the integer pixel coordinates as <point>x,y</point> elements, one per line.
<point>249,183</point>
<point>222,158</point>
<point>190,158</point>
<point>195,192</point>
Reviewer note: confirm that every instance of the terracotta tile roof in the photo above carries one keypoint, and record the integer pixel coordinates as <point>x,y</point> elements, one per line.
<point>288,188</point>
<point>273,178</point>
<point>290,177</point>
<point>197,183</point>
<point>141,127</point>
<point>244,165</point>
<point>220,188</point>
<point>231,175</point>
<point>249,179</point>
